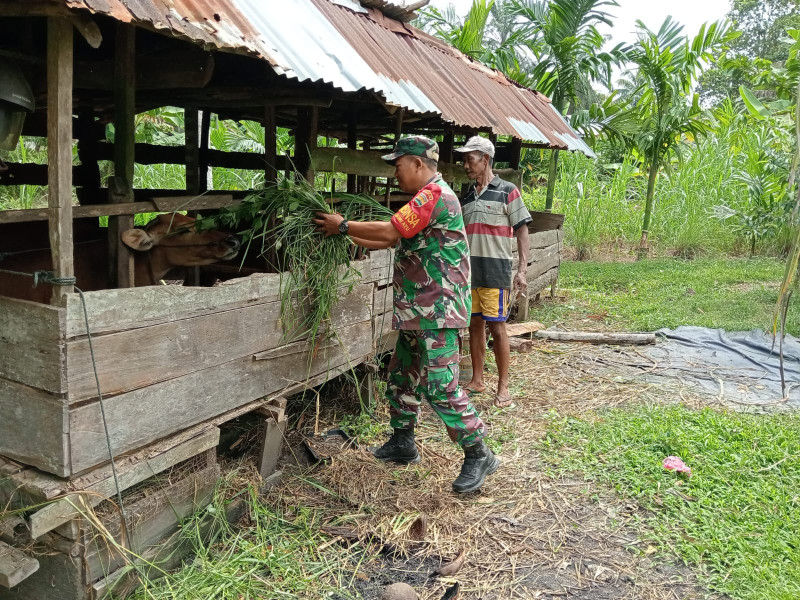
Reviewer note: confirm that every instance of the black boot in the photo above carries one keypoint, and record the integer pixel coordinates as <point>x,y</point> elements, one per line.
<point>400,448</point>
<point>479,462</point>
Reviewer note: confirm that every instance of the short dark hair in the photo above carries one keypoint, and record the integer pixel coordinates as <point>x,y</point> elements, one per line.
<point>430,163</point>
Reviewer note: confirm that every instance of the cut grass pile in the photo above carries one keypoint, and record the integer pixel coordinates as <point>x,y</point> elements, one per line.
<point>734,294</point>
<point>735,519</point>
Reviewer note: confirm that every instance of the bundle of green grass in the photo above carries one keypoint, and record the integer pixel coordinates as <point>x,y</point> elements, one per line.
<point>318,271</point>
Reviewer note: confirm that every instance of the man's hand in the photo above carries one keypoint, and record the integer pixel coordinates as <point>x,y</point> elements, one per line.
<point>328,223</point>
<point>520,283</point>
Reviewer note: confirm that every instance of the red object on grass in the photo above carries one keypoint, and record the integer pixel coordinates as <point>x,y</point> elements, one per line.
<point>673,463</point>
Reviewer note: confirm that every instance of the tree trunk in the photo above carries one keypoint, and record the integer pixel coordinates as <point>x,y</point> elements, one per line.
<point>648,208</point>
<point>551,180</point>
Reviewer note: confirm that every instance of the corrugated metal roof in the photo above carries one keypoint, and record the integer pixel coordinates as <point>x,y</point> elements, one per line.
<point>356,47</point>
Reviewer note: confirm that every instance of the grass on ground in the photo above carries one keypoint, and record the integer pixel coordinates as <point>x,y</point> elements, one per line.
<point>734,518</point>
<point>734,294</point>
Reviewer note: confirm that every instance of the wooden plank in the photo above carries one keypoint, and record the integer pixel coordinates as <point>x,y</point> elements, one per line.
<point>518,329</point>
<point>33,431</point>
<point>541,282</point>
<point>58,578</point>
<point>121,264</point>
<point>59,149</point>
<point>120,310</point>
<point>539,257</point>
<point>274,433</point>
<point>32,344</point>
<point>141,416</point>
<point>61,511</point>
<point>15,566</point>
<point>150,519</point>
<point>193,344</point>
<point>382,266</point>
<point>383,300</point>
<point>539,267</point>
<point>158,204</point>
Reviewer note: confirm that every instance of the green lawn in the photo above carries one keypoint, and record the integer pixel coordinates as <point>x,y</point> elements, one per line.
<point>735,519</point>
<point>734,294</point>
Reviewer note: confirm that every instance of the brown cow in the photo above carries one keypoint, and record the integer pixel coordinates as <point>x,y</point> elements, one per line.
<point>167,242</point>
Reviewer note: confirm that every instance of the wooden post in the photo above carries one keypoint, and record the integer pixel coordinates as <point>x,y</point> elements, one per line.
<point>398,132</point>
<point>352,142</point>
<point>446,150</point>
<point>516,153</point>
<point>270,145</point>
<point>205,127</point>
<point>89,191</point>
<point>305,140</point>
<point>271,171</point>
<point>121,190</point>
<point>195,176</point>
<point>59,150</point>
<point>191,119</point>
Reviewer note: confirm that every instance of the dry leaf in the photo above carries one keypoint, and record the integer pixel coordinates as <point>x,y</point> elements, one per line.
<point>452,568</point>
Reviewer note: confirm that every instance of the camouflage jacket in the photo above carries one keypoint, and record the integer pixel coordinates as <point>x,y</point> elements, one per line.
<point>431,262</point>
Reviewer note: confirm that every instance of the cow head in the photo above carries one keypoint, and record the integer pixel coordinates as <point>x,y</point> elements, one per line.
<point>173,241</point>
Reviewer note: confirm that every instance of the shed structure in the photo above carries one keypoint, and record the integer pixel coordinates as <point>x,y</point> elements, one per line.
<point>175,362</point>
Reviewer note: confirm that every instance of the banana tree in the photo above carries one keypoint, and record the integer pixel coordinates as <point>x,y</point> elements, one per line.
<point>566,47</point>
<point>667,113</point>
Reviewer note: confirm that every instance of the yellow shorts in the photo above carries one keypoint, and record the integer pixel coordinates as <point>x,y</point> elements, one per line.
<point>490,303</point>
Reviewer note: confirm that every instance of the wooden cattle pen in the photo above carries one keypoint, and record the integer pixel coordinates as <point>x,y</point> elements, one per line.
<point>174,362</point>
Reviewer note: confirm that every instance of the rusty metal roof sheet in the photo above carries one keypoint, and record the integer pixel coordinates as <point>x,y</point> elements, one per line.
<point>354,46</point>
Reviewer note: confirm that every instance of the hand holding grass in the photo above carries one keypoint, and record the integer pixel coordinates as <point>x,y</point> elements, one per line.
<point>328,223</point>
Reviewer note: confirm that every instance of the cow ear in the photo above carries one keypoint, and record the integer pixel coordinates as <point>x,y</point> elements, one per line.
<point>138,239</point>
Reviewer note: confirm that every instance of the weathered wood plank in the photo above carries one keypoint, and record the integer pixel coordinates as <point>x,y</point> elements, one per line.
<point>538,257</point>
<point>33,429</point>
<point>58,578</point>
<point>383,300</point>
<point>32,344</point>
<point>61,511</point>
<point>141,416</point>
<point>156,516</point>
<point>15,566</point>
<point>159,204</point>
<point>542,282</point>
<point>180,347</point>
<point>121,310</point>
<point>382,266</point>
<point>59,149</point>
<point>542,266</point>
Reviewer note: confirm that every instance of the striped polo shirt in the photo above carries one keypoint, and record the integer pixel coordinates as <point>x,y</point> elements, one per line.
<point>491,219</point>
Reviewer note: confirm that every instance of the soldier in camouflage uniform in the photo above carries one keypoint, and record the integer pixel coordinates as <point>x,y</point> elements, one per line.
<point>432,303</point>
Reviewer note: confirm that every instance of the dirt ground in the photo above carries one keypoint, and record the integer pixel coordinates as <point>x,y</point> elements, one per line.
<point>528,533</point>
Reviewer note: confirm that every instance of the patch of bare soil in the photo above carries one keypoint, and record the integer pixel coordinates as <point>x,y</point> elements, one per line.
<point>527,534</point>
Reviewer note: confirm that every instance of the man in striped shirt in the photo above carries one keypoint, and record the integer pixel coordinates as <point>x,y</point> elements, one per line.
<point>494,215</point>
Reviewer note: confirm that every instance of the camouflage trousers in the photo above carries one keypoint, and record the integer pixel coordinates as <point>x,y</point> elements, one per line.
<point>425,365</point>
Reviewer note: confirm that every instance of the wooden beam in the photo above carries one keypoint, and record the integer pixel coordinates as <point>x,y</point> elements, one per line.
<point>15,566</point>
<point>59,150</point>
<point>158,204</point>
<point>121,269</point>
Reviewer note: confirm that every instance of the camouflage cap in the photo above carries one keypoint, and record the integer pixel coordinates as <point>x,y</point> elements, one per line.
<point>415,145</point>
